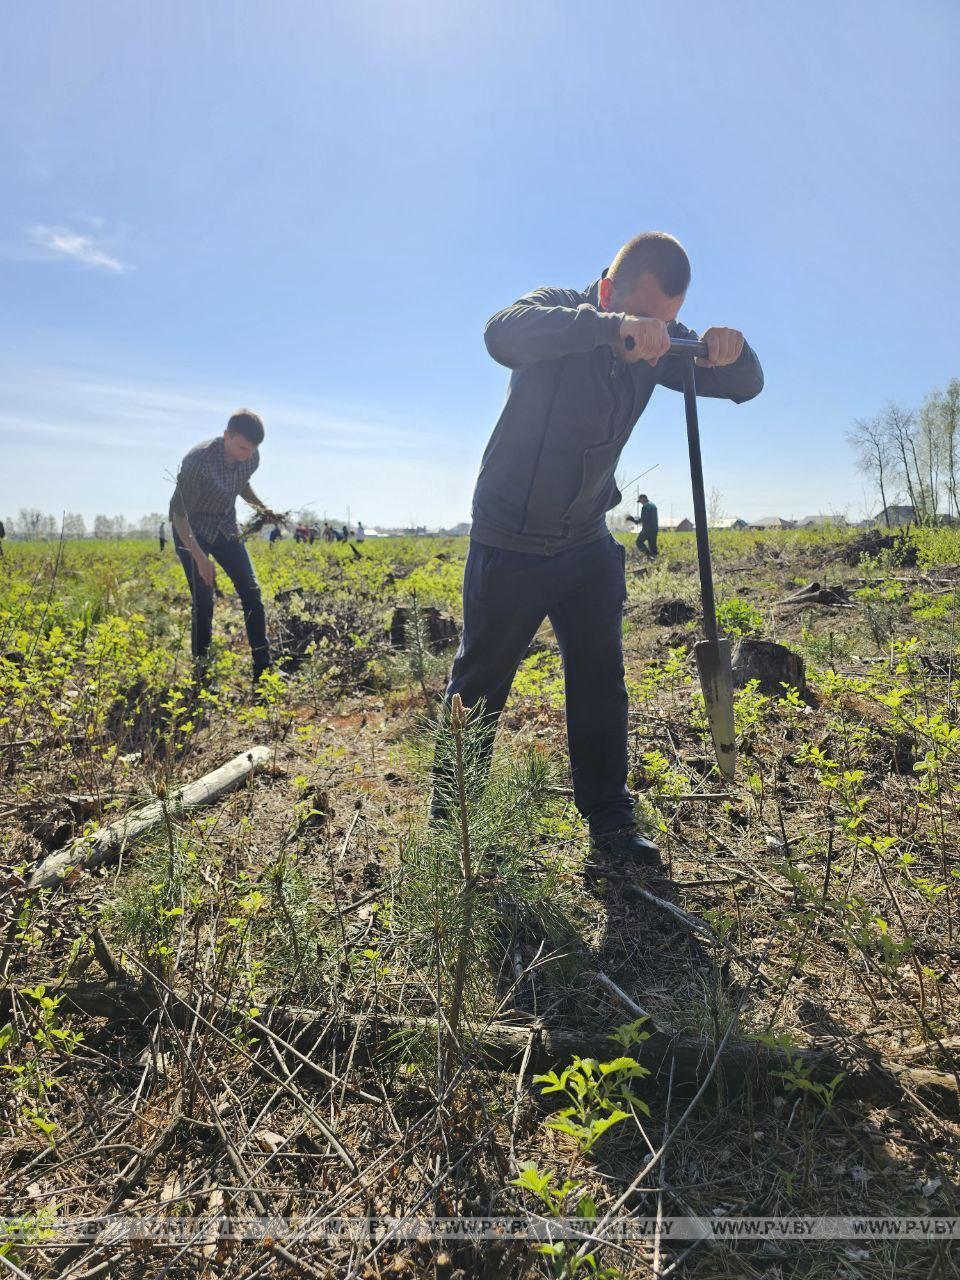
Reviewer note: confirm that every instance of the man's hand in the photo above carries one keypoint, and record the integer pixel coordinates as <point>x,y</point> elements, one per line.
<point>205,568</point>
<point>723,347</point>
<point>650,339</point>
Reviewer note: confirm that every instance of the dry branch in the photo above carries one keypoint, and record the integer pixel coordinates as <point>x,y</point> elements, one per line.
<point>106,845</point>
<point>502,1047</point>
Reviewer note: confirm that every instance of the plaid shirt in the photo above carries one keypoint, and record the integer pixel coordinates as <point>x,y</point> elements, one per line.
<point>208,486</point>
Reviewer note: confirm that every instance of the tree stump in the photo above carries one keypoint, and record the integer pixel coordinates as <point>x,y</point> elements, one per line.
<point>668,613</point>
<point>814,593</point>
<point>773,665</point>
<point>439,632</point>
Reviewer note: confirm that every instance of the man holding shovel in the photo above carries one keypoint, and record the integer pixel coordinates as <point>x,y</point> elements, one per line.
<point>584,366</point>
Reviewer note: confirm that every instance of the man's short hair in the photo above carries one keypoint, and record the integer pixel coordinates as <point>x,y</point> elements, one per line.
<point>644,498</point>
<point>654,251</point>
<point>248,424</point>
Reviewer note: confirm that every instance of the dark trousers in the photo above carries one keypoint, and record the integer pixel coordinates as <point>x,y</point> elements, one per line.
<point>234,559</point>
<point>647,541</point>
<point>506,596</point>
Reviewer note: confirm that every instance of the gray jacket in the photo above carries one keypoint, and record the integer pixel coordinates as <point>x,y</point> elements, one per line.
<point>547,476</point>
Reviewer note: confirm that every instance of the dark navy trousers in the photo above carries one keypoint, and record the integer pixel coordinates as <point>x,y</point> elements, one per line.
<point>506,596</point>
<point>647,541</point>
<point>232,556</point>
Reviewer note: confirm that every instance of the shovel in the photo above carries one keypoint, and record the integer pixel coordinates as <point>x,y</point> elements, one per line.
<point>713,653</point>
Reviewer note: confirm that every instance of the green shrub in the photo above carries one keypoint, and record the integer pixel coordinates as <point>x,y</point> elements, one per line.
<point>736,617</point>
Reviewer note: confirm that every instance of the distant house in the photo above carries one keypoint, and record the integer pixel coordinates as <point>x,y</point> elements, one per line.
<point>772,522</point>
<point>729,522</point>
<point>683,525</point>
<point>809,522</point>
<point>896,515</point>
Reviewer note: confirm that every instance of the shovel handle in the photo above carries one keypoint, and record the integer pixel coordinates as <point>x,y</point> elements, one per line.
<point>688,347</point>
<point>678,346</point>
<point>699,502</point>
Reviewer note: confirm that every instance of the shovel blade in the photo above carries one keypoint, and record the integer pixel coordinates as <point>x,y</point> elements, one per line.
<point>716,680</point>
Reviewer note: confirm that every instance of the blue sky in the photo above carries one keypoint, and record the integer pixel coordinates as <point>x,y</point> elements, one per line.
<point>312,208</point>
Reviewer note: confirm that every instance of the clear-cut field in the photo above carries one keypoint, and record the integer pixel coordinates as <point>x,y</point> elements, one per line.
<point>305,976</point>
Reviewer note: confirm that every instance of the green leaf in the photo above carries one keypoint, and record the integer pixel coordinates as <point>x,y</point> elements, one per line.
<point>587,1207</point>
<point>531,1179</point>
<point>618,1064</point>
<point>45,1126</point>
<point>634,1101</point>
<point>599,1127</point>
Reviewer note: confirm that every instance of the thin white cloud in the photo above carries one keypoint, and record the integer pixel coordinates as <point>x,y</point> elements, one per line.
<point>118,443</point>
<point>53,403</point>
<point>72,443</point>
<point>61,242</point>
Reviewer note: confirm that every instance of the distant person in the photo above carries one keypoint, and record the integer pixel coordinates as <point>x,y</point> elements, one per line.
<point>162,536</point>
<point>3,534</point>
<point>203,514</point>
<point>345,535</point>
<point>583,365</point>
<point>361,533</point>
<point>275,535</point>
<point>649,523</point>
<point>328,533</point>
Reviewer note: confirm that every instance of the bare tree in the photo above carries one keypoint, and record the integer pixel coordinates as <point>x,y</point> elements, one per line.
<point>147,525</point>
<point>869,439</point>
<point>715,511</point>
<point>932,449</point>
<point>942,410</point>
<point>34,523</point>
<point>951,433</point>
<point>901,427</point>
<point>74,525</point>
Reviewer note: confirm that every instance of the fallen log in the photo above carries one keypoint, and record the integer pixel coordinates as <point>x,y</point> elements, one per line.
<point>107,844</point>
<point>502,1046</point>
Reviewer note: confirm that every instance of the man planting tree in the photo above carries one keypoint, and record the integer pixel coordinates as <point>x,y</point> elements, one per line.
<point>203,514</point>
<point>584,365</point>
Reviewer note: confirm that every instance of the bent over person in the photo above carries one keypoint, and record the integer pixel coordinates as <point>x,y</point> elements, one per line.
<point>203,515</point>
<point>539,543</point>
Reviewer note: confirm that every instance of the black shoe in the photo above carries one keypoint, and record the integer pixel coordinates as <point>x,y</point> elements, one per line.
<point>626,848</point>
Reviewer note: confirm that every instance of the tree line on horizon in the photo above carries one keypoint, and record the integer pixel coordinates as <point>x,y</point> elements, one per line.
<point>912,456</point>
<point>34,524</point>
